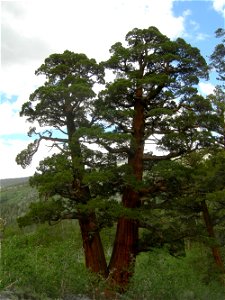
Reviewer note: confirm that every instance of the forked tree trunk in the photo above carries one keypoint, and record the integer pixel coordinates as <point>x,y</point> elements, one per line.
<point>122,262</point>
<point>209,226</point>
<point>93,249</point>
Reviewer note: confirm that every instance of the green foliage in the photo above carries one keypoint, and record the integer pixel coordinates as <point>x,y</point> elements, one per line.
<point>53,173</point>
<point>48,262</point>
<point>165,71</point>
<point>161,276</point>
<point>217,57</point>
<point>42,211</point>
<point>25,157</point>
<point>152,98</point>
<point>15,201</point>
<point>210,175</point>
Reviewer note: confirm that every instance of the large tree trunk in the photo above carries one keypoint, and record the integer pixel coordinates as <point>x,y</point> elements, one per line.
<point>122,262</point>
<point>124,251</point>
<point>215,248</point>
<point>93,249</point>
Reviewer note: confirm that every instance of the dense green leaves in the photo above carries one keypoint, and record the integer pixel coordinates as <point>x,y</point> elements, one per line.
<point>151,69</point>
<point>41,212</point>
<point>166,72</point>
<point>218,56</point>
<point>104,166</point>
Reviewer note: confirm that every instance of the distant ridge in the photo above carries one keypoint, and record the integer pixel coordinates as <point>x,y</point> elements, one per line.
<point>13,181</point>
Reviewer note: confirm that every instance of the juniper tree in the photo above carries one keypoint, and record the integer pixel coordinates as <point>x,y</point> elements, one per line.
<point>218,56</point>
<point>217,98</point>
<point>63,107</point>
<point>194,184</point>
<point>214,194</point>
<point>153,98</point>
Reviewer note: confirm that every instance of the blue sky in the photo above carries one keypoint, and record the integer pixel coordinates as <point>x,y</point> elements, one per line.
<point>201,22</point>
<point>32,30</point>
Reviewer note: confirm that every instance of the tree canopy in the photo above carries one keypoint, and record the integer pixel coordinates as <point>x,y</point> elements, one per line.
<point>148,116</point>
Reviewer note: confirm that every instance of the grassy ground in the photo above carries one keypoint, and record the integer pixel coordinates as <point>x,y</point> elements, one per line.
<point>47,261</point>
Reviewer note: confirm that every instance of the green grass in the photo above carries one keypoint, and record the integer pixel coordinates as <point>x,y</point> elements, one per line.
<point>160,276</point>
<point>47,261</point>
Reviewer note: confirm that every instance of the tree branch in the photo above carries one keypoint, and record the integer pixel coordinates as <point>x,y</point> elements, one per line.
<point>150,157</point>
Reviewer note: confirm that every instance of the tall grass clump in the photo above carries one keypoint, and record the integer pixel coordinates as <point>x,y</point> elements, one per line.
<point>47,261</point>
<point>160,276</point>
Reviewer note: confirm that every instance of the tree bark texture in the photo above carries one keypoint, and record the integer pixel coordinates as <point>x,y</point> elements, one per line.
<point>93,249</point>
<point>122,262</point>
<point>209,226</point>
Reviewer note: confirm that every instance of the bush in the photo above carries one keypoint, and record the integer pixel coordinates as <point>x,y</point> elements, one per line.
<point>160,276</point>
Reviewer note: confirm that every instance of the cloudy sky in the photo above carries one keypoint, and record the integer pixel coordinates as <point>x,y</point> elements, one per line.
<point>32,30</point>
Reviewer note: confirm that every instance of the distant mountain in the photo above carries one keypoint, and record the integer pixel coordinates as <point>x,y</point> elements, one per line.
<point>13,181</point>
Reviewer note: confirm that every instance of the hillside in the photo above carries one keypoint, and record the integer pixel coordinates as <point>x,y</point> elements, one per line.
<point>13,181</point>
<point>16,196</point>
<point>46,262</point>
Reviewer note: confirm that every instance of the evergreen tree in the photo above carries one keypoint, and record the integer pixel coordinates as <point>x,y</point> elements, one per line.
<point>63,106</point>
<point>199,177</point>
<point>153,99</point>
<point>217,98</point>
<point>218,56</point>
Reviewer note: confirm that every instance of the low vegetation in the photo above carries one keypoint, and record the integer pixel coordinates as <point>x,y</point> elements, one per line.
<point>48,262</point>
<point>16,196</point>
<point>151,227</point>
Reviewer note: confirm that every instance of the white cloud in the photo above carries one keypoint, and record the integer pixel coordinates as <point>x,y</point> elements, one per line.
<point>219,6</point>
<point>83,26</point>
<point>195,25</point>
<point>202,36</point>
<point>32,30</point>
<point>187,13</point>
<point>9,150</point>
<point>206,88</point>
<point>9,168</point>
<point>10,121</point>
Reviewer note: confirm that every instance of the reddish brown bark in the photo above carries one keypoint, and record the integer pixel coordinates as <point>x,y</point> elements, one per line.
<point>93,249</point>
<point>209,226</point>
<point>125,248</point>
<point>124,253</point>
<point>121,266</point>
